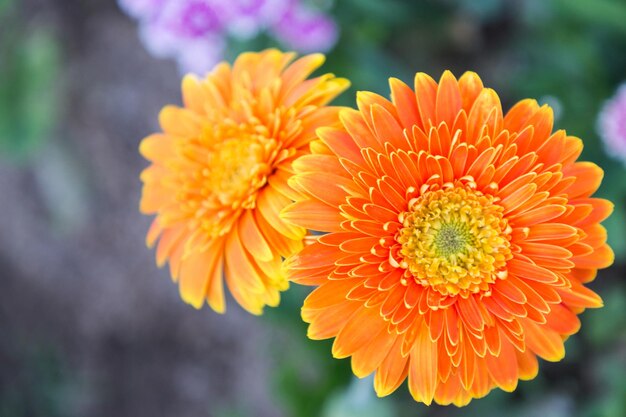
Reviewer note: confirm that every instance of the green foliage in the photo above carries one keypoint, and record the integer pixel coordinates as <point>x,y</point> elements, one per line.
<point>610,14</point>
<point>29,70</point>
<point>4,6</point>
<point>37,385</point>
<point>303,385</point>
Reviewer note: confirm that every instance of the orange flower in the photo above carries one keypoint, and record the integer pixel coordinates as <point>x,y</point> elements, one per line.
<point>219,172</point>
<point>458,243</point>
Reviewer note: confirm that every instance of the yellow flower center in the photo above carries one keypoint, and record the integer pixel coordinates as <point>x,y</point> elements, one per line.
<point>455,241</point>
<point>236,170</point>
<point>222,171</point>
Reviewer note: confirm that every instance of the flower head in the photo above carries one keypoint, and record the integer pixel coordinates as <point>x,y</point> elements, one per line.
<point>612,125</point>
<point>219,172</point>
<point>458,238</point>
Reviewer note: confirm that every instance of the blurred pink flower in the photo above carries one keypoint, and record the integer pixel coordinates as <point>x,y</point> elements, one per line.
<point>190,18</point>
<point>612,124</point>
<point>200,55</point>
<point>244,19</point>
<point>306,30</point>
<point>196,55</point>
<point>189,31</point>
<point>194,32</point>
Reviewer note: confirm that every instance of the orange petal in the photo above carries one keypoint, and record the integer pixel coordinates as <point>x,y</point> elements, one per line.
<point>370,356</point>
<point>517,118</point>
<point>283,245</point>
<point>449,101</point>
<point>170,238</point>
<point>406,103</point>
<point>503,367</point>
<point>387,128</point>
<point>194,97</point>
<point>486,111</point>
<point>330,293</point>
<point>299,71</point>
<point>357,332</point>
<point>153,233</point>
<point>579,296</point>
<point>423,367</point>
<point>357,128</point>
<point>157,147</point>
<point>252,238</point>
<point>325,187</point>
<point>327,323</point>
<point>313,215</point>
<point>341,143</point>
<point>470,85</point>
<point>562,320</point>
<point>243,273</point>
<point>543,341</point>
<point>392,371</point>
<point>448,392</point>
<point>196,273</point>
<point>280,182</point>
<point>528,364</point>
<point>426,92</point>
<point>180,122</point>
<point>270,203</point>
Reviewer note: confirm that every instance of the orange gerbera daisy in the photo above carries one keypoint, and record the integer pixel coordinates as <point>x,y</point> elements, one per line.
<point>459,238</point>
<point>219,172</point>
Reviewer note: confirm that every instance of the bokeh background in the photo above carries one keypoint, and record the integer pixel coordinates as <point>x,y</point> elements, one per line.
<point>90,327</point>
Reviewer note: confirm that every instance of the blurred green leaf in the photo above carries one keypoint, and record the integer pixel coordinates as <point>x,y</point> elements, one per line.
<point>29,69</point>
<point>483,9</point>
<point>604,327</point>
<point>359,399</point>
<point>616,225</point>
<point>609,14</point>
<point>4,6</point>
<point>37,387</point>
<point>385,11</point>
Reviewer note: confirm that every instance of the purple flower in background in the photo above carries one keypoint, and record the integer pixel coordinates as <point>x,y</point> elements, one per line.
<point>246,18</point>
<point>194,32</point>
<point>189,31</point>
<point>612,124</point>
<point>306,30</point>
<point>193,54</point>
<point>200,55</point>
<point>190,18</point>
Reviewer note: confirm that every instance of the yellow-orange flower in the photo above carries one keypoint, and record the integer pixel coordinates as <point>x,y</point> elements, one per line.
<point>219,172</point>
<point>459,238</point>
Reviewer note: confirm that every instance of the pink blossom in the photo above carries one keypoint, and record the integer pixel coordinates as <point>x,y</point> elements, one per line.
<point>244,19</point>
<point>194,32</point>
<point>190,18</point>
<point>306,30</point>
<point>612,124</point>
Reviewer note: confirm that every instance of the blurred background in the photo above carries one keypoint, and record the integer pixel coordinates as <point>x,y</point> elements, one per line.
<point>90,327</point>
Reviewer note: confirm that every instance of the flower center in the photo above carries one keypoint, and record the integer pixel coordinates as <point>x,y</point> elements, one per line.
<point>452,239</point>
<point>221,172</point>
<point>455,241</point>
<point>237,169</point>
